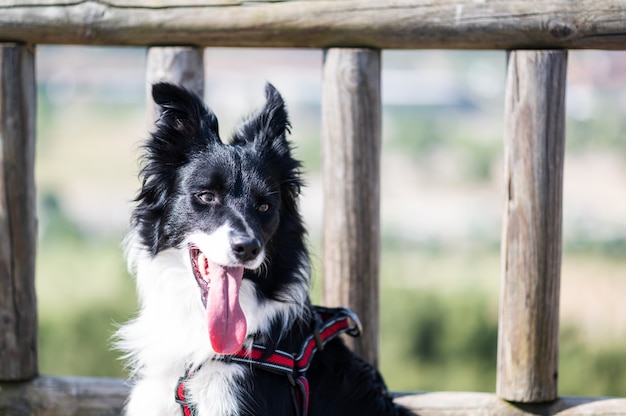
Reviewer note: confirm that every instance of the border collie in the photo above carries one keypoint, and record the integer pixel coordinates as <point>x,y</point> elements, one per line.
<point>217,245</point>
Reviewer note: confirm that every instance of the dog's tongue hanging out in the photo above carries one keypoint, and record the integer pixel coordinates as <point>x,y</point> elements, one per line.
<point>227,323</point>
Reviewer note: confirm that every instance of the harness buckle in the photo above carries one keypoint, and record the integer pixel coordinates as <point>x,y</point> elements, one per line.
<point>356,328</point>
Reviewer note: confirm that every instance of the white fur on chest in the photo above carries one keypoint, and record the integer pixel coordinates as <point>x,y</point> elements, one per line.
<point>216,390</point>
<point>171,334</point>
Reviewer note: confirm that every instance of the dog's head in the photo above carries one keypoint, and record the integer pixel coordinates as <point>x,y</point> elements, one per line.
<point>226,204</point>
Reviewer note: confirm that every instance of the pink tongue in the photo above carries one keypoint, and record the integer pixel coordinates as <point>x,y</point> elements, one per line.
<point>227,323</point>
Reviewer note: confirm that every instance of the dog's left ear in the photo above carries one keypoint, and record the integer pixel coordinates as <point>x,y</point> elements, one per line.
<point>268,126</point>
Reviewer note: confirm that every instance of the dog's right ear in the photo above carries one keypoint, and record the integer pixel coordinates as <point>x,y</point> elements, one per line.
<point>183,116</point>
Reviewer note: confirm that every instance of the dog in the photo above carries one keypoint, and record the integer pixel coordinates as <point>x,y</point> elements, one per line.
<point>218,247</point>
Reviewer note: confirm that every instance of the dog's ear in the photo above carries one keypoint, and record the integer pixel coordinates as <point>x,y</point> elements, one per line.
<point>182,115</point>
<point>270,125</point>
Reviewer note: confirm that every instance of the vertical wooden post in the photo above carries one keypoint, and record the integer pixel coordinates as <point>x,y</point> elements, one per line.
<point>181,65</point>
<point>18,223</point>
<point>531,234</point>
<point>351,139</point>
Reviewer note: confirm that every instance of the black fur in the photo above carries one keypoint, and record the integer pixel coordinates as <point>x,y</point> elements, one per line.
<point>186,156</point>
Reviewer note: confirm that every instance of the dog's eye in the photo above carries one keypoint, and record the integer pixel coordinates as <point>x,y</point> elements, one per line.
<point>206,197</point>
<point>264,207</point>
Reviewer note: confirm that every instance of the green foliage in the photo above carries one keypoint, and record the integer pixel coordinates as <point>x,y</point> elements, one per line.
<point>417,132</point>
<point>55,224</point>
<point>83,292</point>
<point>433,341</point>
<point>80,344</point>
<point>588,370</point>
<point>606,248</point>
<point>606,131</point>
<point>425,133</point>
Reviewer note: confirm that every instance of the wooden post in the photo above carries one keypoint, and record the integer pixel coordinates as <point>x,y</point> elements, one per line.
<point>18,223</point>
<point>351,138</point>
<point>531,234</point>
<point>181,65</point>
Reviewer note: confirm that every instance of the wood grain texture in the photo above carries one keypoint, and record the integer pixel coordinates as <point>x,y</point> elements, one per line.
<point>485,404</point>
<point>531,234</point>
<point>180,65</point>
<point>351,138</point>
<point>18,228</point>
<point>383,24</point>
<point>64,396</point>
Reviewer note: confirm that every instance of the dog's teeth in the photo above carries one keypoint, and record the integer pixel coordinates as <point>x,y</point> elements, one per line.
<point>203,266</point>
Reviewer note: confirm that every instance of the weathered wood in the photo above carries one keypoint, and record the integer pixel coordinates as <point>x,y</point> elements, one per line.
<point>531,234</point>
<point>484,404</point>
<point>351,138</point>
<point>178,65</point>
<point>409,24</point>
<point>64,396</point>
<point>58,396</point>
<point>18,309</point>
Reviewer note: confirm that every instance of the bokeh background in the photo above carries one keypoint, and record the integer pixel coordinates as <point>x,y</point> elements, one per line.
<point>442,199</point>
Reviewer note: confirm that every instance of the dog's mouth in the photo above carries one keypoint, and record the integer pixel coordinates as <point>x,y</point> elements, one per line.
<point>219,291</point>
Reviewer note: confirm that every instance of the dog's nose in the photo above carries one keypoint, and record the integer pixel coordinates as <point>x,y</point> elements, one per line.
<point>246,248</point>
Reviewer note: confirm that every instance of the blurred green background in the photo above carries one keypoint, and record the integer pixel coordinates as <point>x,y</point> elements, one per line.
<point>441,205</point>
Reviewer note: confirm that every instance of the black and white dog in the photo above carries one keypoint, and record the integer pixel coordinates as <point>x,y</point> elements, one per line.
<point>218,249</point>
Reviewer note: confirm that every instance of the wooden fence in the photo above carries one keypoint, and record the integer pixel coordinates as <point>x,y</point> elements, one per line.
<point>536,33</point>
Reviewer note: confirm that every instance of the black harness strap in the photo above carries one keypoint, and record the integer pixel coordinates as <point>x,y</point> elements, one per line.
<point>329,323</point>
<point>181,394</point>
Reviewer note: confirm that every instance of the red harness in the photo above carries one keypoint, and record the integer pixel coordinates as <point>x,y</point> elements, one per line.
<point>329,323</point>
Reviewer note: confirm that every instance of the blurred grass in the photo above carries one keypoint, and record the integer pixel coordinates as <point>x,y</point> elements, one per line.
<point>83,292</point>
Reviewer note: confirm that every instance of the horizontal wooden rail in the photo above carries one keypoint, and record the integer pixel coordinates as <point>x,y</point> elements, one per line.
<point>62,396</point>
<point>486,404</point>
<point>383,24</point>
